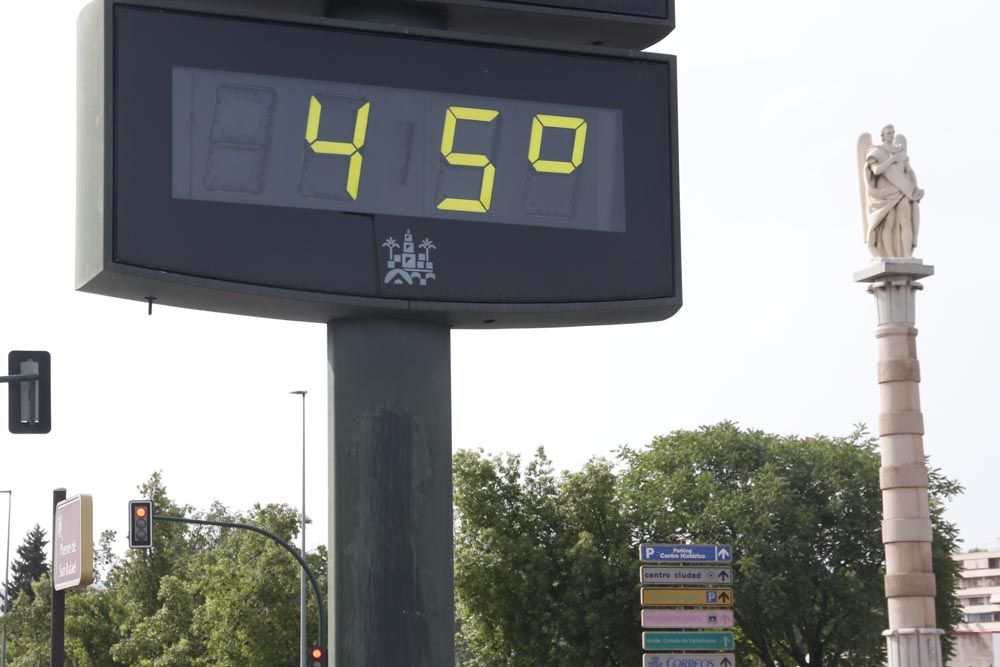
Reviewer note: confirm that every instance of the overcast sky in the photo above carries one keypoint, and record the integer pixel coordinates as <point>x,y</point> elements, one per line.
<point>773,334</point>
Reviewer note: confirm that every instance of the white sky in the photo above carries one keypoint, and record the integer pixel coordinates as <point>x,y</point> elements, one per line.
<point>774,334</point>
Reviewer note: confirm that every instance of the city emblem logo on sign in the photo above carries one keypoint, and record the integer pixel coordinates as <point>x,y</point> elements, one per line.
<point>409,266</point>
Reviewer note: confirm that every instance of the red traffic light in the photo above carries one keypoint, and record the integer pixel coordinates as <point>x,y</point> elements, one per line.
<point>140,524</point>
<point>317,656</point>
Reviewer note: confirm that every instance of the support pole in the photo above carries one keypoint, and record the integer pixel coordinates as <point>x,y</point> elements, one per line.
<point>58,645</point>
<point>912,639</point>
<point>6,581</point>
<point>391,575</point>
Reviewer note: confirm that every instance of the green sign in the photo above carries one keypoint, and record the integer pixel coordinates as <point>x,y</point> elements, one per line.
<point>687,641</point>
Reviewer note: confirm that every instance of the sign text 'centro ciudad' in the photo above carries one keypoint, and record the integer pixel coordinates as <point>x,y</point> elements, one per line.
<point>685,575</point>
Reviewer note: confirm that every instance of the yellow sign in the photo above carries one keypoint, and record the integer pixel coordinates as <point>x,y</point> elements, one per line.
<point>687,597</point>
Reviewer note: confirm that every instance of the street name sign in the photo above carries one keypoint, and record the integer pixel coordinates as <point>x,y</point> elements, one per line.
<point>685,575</point>
<point>688,660</point>
<point>315,169</point>
<point>685,553</point>
<point>686,597</point>
<point>688,641</point>
<point>73,543</point>
<point>687,618</point>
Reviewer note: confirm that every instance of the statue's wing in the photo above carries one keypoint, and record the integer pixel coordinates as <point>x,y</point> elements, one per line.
<point>864,144</point>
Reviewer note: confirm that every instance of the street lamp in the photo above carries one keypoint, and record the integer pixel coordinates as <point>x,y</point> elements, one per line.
<point>6,580</point>
<point>302,575</point>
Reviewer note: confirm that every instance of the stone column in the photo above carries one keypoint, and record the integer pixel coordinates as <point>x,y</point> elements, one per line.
<point>913,639</point>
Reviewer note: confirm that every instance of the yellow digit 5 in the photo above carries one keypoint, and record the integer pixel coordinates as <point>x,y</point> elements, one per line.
<point>538,125</point>
<point>451,118</point>
<point>347,148</point>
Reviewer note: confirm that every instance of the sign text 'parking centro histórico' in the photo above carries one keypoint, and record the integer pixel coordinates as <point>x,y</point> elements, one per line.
<point>685,553</point>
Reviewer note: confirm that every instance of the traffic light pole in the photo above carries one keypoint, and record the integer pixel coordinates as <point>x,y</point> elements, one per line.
<point>289,548</point>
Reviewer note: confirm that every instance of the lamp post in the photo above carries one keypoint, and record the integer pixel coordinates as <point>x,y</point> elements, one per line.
<point>302,584</point>
<point>6,580</point>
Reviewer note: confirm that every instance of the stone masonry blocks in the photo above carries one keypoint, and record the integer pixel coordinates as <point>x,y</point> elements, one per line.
<point>903,421</point>
<point>906,530</point>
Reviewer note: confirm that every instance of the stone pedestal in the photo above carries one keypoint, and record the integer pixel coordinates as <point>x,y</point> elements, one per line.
<point>912,638</point>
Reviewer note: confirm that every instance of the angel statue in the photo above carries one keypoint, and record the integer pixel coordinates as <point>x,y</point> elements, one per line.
<point>889,195</point>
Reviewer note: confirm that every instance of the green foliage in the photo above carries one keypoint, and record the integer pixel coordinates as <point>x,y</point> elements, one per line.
<point>803,516</point>
<point>546,565</point>
<point>28,624</point>
<point>947,571</point>
<point>28,567</point>
<point>200,597</point>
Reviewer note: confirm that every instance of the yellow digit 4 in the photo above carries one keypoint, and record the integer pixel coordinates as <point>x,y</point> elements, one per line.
<point>347,148</point>
<point>538,125</point>
<point>451,118</point>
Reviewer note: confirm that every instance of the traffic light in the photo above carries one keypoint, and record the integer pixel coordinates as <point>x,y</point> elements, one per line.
<point>140,524</point>
<point>29,405</point>
<point>317,656</point>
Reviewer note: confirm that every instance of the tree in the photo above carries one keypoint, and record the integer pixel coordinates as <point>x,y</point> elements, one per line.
<point>545,571</point>
<point>29,566</point>
<point>546,566</point>
<point>250,587</point>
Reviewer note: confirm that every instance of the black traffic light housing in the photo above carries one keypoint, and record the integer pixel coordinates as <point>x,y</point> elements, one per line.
<point>140,524</point>
<point>317,657</point>
<point>29,402</point>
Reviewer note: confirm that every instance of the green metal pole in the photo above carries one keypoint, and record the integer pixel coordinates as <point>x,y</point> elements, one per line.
<point>289,548</point>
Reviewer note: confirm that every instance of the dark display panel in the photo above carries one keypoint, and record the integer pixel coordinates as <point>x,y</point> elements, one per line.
<point>253,139</point>
<point>188,221</point>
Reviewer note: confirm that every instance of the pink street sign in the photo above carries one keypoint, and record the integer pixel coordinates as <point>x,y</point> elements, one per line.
<point>73,543</point>
<point>686,618</point>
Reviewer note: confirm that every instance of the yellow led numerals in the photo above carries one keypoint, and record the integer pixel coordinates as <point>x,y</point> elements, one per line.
<point>351,149</point>
<point>538,125</point>
<point>451,118</point>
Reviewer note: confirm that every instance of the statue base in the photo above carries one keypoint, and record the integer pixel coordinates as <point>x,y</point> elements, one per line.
<point>893,282</point>
<point>913,647</point>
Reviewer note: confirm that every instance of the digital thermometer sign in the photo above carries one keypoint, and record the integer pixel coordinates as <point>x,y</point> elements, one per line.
<point>316,169</point>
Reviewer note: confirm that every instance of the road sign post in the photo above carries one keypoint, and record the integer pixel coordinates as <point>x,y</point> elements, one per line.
<point>686,618</point>
<point>686,597</point>
<point>688,641</point>
<point>684,585</point>
<point>686,576</point>
<point>685,553</point>
<point>689,660</point>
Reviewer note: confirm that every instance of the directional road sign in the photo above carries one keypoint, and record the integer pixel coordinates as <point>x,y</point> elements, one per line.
<point>686,597</point>
<point>685,553</point>
<point>685,575</point>
<point>687,618</point>
<point>688,641</point>
<point>688,660</point>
